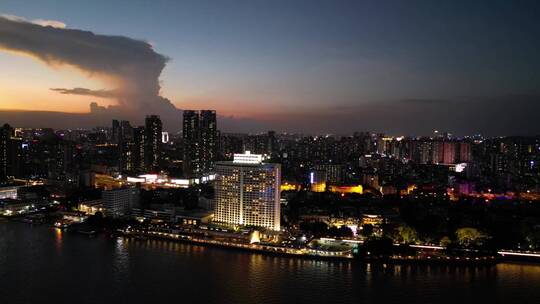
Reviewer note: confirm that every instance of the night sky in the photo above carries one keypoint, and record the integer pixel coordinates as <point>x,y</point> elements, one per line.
<point>402,67</point>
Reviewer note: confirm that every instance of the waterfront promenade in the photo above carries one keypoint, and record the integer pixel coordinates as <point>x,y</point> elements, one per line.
<point>266,248</point>
<point>306,252</point>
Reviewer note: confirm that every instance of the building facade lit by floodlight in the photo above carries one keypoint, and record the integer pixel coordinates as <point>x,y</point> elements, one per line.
<point>248,192</point>
<point>164,137</point>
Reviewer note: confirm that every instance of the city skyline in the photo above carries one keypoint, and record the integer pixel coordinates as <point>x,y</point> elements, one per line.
<point>317,67</point>
<point>255,151</point>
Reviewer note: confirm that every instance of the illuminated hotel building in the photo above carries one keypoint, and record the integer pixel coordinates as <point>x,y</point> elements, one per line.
<point>248,192</point>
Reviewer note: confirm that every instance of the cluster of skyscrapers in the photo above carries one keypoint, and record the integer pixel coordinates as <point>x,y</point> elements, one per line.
<point>139,147</point>
<point>247,190</point>
<point>247,185</point>
<point>426,150</point>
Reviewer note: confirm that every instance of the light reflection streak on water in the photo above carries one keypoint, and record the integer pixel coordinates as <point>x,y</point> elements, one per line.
<point>264,273</point>
<point>58,240</point>
<point>105,270</point>
<point>121,260</point>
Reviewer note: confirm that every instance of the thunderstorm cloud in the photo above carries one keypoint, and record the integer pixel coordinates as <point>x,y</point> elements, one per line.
<point>131,66</point>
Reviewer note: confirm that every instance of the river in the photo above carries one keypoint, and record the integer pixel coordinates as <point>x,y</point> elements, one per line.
<point>39,264</point>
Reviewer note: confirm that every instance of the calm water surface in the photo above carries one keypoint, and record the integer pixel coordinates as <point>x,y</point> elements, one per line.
<point>44,265</point>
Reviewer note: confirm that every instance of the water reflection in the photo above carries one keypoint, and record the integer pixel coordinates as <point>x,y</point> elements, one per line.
<point>123,270</point>
<point>163,246</point>
<point>58,240</point>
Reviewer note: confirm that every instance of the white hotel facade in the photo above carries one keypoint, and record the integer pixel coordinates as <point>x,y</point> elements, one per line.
<point>248,192</point>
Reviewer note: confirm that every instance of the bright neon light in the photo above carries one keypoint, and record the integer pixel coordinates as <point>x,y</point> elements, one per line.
<point>428,247</point>
<point>536,255</point>
<point>180,181</point>
<point>247,158</point>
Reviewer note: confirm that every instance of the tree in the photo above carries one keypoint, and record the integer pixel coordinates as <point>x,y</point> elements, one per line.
<point>445,241</point>
<point>367,230</point>
<point>316,228</point>
<point>533,240</point>
<point>380,247</point>
<point>345,231</point>
<point>470,237</point>
<point>332,231</point>
<point>406,235</point>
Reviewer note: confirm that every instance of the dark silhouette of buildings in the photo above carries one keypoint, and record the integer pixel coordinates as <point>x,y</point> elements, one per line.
<point>152,151</point>
<point>10,153</point>
<point>200,142</point>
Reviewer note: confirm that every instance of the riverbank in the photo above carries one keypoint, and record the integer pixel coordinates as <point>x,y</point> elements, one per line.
<point>51,263</point>
<point>421,254</point>
<point>261,248</point>
<point>313,253</point>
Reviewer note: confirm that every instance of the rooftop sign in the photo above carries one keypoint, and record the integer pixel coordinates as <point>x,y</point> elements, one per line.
<point>247,158</point>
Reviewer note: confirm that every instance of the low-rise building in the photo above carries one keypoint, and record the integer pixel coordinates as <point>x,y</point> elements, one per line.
<point>194,218</point>
<point>119,202</point>
<point>91,207</point>
<point>10,207</point>
<point>9,192</point>
<point>160,214</point>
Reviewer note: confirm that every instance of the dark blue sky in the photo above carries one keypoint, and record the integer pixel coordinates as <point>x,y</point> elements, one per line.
<point>333,66</point>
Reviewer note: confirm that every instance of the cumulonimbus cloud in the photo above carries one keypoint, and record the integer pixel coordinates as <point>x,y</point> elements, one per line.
<point>42,22</point>
<point>87,92</point>
<point>52,23</point>
<point>131,66</point>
